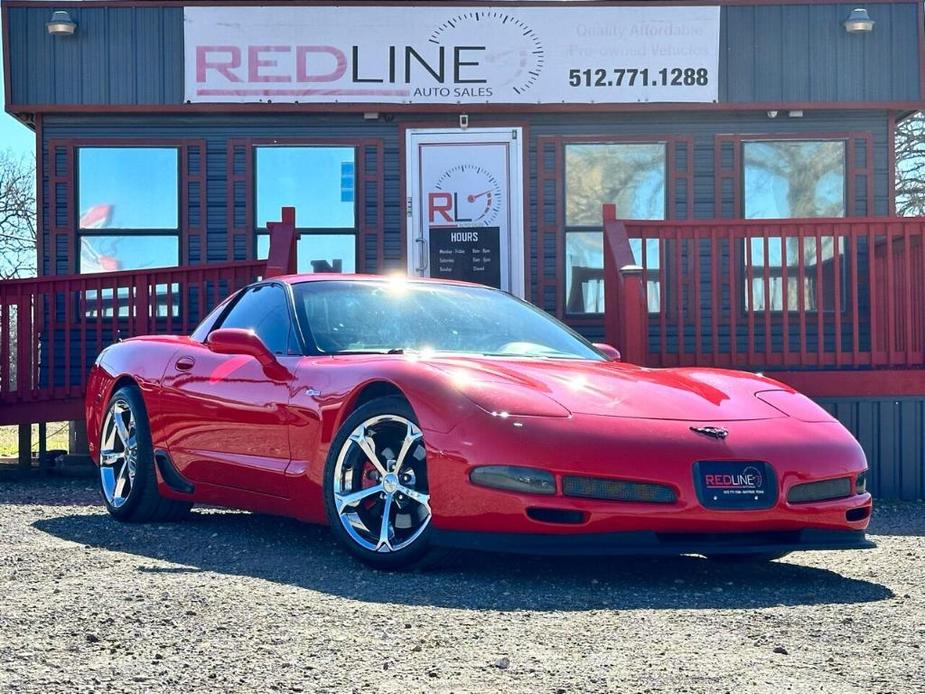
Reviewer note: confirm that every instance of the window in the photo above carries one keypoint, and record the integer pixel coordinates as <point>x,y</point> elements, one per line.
<point>108,253</point>
<point>794,178</point>
<point>320,182</point>
<point>319,252</point>
<point>819,272</point>
<point>265,310</point>
<point>631,175</point>
<point>133,191</point>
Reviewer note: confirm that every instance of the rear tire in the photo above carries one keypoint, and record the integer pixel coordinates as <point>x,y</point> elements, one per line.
<point>128,480</point>
<point>375,487</point>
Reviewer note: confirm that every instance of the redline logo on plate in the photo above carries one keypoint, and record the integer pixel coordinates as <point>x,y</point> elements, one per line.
<point>419,54</point>
<point>749,479</point>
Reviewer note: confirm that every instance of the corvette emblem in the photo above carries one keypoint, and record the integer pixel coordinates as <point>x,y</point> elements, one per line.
<point>715,432</point>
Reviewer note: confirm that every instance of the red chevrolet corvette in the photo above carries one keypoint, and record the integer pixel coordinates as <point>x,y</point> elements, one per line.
<point>413,415</point>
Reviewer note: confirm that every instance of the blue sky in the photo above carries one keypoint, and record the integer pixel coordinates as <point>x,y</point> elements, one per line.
<point>14,134</point>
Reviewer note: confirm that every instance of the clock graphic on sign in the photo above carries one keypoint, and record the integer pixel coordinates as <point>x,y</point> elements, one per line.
<point>513,55</point>
<point>472,194</point>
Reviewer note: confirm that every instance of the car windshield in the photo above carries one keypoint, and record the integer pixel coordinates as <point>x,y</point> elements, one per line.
<point>358,316</point>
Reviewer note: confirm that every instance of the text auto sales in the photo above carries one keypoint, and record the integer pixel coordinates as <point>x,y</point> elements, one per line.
<point>310,64</point>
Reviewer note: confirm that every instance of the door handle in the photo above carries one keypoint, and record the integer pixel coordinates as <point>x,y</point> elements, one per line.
<point>422,247</point>
<point>185,363</point>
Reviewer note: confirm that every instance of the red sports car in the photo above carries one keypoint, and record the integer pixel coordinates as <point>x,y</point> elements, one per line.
<point>417,415</point>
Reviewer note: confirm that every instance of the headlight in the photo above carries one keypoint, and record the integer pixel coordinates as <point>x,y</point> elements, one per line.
<point>514,479</point>
<point>794,405</point>
<point>860,484</point>
<point>510,399</point>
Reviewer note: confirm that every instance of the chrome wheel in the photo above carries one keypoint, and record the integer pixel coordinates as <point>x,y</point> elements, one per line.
<point>118,453</point>
<point>380,484</point>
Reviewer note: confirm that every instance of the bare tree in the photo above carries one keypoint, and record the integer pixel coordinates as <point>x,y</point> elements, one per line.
<point>910,166</point>
<point>809,168</point>
<point>17,215</point>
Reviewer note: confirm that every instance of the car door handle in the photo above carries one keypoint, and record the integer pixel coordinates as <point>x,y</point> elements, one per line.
<point>185,363</point>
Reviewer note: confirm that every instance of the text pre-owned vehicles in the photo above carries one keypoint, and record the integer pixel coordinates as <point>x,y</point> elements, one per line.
<point>411,415</point>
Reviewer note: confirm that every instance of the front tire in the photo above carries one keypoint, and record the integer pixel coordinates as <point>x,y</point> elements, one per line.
<point>128,480</point>
<point>375,486</point>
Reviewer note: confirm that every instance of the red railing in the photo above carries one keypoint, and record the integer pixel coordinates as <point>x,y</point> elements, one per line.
<point>52,328</point>
<point>772,294</point>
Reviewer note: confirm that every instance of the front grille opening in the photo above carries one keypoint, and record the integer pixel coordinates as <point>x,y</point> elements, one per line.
<point>562,516</point>
<point>618,490</point>
<point>826,490</point>
<point>857,514</point>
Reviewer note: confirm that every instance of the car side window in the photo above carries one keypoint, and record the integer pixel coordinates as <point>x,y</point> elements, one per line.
<point>265,310</point>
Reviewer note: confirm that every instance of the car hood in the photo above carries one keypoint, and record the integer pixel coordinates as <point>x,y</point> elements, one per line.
<point>618,390</point>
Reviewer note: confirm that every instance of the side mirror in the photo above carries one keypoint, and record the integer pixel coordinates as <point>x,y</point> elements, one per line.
<point>237,341</point>
<point>609,351</point>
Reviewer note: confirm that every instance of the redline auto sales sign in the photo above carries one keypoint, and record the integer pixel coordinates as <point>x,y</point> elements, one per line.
<point>451,55</point>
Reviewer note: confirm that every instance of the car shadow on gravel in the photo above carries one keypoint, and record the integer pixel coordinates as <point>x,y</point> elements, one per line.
<point>288,552</point>
<point>898,518</point>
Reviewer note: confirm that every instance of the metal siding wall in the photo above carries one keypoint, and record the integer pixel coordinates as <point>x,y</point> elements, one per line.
<point>768,53</point>
<point>119,55</point>
<point>702,127</point>
<point>801,53</point>
<point>217,131</point>
<point>892,434</point>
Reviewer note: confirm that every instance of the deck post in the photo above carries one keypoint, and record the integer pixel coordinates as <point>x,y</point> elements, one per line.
<point>281,260</point>
<point>25,445</point>
<point>43,445</point>
<point>634,314</point>
<point>617,254</point>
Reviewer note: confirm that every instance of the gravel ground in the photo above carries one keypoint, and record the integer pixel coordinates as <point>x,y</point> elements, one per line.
<point>234,601</point>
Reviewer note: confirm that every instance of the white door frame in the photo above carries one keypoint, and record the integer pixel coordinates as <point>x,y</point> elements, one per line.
<point>416,245</point>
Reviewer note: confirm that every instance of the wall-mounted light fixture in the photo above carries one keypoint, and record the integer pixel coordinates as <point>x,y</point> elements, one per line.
<point>61,24</point>
<point>859,22</point>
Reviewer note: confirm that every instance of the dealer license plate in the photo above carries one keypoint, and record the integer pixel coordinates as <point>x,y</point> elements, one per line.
<point>735,485</point>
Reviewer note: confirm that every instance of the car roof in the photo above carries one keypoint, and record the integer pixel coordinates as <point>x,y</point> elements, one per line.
<point>343,277</point>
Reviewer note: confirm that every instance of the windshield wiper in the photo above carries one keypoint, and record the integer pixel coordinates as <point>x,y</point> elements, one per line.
<point>395,350</point>
<point>531,355</point>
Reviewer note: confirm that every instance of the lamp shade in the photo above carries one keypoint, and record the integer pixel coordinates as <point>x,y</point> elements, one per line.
<point>61,24</point>
<point>859,22</point>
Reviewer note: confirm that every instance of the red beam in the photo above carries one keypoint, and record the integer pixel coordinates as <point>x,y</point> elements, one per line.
<point>61,410</point>
<point>851,384</point>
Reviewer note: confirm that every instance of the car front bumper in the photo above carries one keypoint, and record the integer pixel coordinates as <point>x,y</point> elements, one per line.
<point>659,452</point>
<point>653,543</point>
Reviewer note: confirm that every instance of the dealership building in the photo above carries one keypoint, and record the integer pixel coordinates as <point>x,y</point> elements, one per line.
<point>747,148</point>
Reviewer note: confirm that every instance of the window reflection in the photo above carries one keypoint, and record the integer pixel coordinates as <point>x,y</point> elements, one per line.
<point>320,182</point>
<point>818,280</point>
<point>794,179</point>
<point>319,252</point>
<point>584,271</point>
<point>631,175</point>
<point>110,253</point>
<point>128,187</point>
<point>100,304</point>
